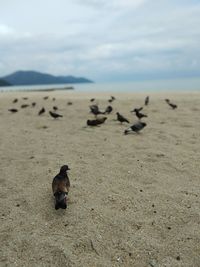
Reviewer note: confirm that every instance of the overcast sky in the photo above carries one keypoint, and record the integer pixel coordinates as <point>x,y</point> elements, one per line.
<point>104,40</point>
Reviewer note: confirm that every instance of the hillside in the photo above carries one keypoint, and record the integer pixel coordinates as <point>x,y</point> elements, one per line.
<point>37,78</point>
<point>4,83</point>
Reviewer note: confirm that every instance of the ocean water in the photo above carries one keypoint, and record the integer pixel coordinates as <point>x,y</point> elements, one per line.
<point>192,84</point>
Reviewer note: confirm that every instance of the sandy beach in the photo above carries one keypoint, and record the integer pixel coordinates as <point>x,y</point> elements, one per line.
<point>134,199</point>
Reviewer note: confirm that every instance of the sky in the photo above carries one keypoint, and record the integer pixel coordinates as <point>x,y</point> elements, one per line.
<point>115,40</point>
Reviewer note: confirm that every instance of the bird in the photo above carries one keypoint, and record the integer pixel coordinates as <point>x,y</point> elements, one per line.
<point>92,99</point>
<point>55,115</point>
<point>108,110</point>
<point>92,123</point>
<point>101,120</point>
<point>121,118</point>
<point>95,110</point>
<point>139,115</point>
<point>41,111</point>
<point>53,99</point>
<point>173,106</point>
<point>55,108</point>
<point>24,106</point>
<point>60,187</point>
<point>69,103</point>
<point>135,127</point>
<point>137,109</point>
<point>15,100</point>
<point>33,104</point>
<point>112,98</point>
<point>96,122</point>
<point>45,97</point>
<point>25,98</point>
<point>13,110</point>
<point>146,101</point>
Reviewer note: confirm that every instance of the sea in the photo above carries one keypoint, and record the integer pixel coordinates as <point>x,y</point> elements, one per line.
<point>173,85</point>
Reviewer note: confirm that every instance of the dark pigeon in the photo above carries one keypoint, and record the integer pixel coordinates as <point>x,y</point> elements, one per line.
<point>173,106</point>
<point>15,100</point>
<point>41,111</point>
<point>140,115</point>
<point>55,115</point>
<point>108,110</point>
<point>55,108</point>
<point>121,118</point>
<point>96,122</point>
<point>95,110</point>
<point>60,187</point>
<point>146,101</point>
<point>24,106</point>
<point>13,110</point>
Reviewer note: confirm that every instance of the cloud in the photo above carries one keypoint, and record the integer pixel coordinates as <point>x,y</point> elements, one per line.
<point>5,30</point>
<point>102,39</point>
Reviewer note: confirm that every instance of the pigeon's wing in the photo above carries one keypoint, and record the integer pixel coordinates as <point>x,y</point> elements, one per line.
<point>60,184</point>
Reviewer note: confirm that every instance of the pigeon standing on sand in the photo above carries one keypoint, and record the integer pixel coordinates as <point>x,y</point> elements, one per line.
<point>92,123</point>
<point>55,115</point>
<point>121,118</point>
<point>173,106</point>
<point>112,98</point>
<point>41,111</point>
<point>92,99</point>
<point>135,127</point>
<point>13,110</point>
<point>137,109</point>
<point>139,115</point>
<point>96,122</point>
<point>24,106</point>
<point>15,100</point>
<point>45,97</point>
<point>146,101</point>
<point>33,104</point>
<point>60,187</point>
<point>95,110</point>
<point>108,110</point>
<point>55,108</point>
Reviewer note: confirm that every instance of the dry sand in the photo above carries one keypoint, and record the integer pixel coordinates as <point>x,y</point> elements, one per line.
<point>134,199</point>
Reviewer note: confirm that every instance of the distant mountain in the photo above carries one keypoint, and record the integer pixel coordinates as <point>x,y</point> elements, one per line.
<point>37,78</point>
<point>4,83</point>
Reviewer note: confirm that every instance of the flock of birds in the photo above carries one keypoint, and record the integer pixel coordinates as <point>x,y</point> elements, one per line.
<point>61,183</point>
<point>94,109</point>
<point>136,127</point>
